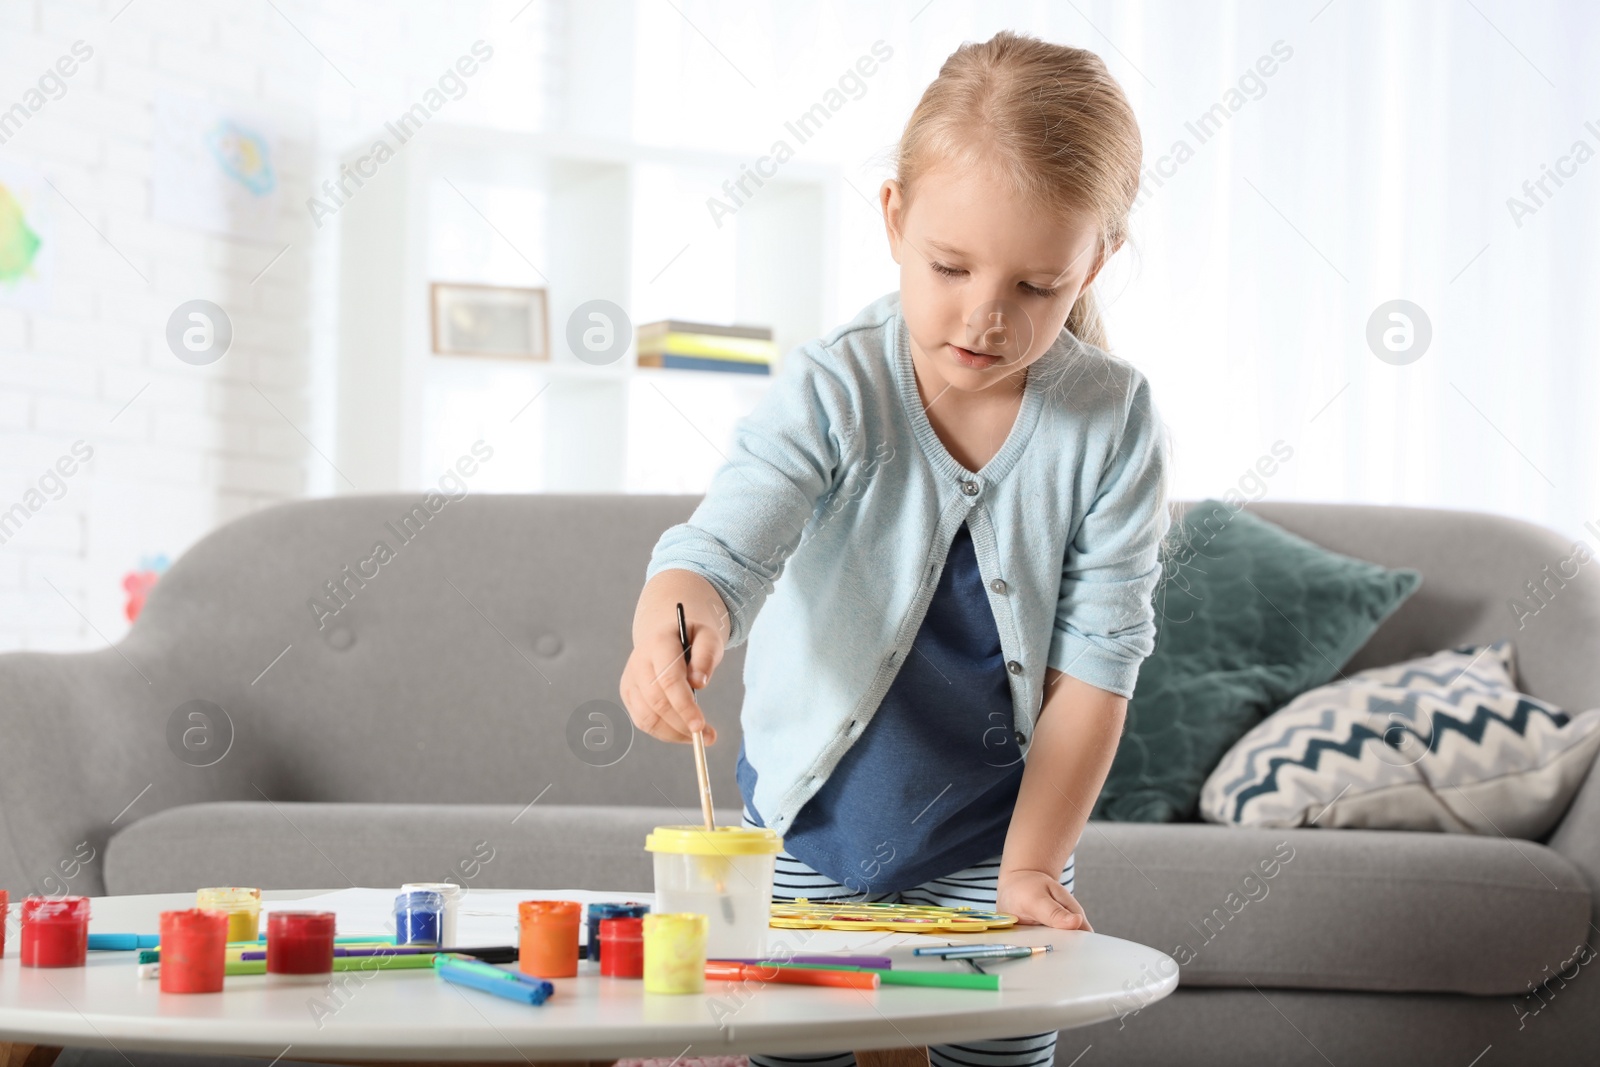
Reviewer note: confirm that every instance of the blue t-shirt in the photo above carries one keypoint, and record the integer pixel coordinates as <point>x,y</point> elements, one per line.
<point>929,786</point>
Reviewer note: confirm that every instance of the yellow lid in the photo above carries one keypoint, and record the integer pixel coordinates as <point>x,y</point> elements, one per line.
<point>723,841</point>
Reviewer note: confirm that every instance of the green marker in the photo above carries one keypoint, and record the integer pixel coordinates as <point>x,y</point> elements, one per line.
<point>941,979</point>
<point>153,955</point>
<point>418,961</point>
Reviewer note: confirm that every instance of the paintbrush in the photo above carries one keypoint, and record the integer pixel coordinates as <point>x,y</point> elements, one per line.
<point>700,767</point>
<point>699,735</point>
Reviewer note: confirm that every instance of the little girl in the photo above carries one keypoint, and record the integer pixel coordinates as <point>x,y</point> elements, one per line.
<point>966,496</point>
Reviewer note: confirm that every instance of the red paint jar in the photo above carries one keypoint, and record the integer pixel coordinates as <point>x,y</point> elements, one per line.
<point>300,942</point>
<point>622,948</point>
<point>55,931</point>
<point>5,906</point>
<point>194,949</point>
<point>547,945</point>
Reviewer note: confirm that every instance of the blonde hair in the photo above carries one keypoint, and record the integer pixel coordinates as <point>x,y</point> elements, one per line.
<point>1050,120</point>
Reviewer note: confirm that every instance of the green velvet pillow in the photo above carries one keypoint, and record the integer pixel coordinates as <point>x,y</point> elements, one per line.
<point>1248,616</point>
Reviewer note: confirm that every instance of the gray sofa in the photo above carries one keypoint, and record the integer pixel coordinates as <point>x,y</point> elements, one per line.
<point>434,726</point>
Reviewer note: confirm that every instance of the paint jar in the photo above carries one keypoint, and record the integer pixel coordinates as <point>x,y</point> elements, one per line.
<point>674,952</point>
<point>623,939</point>
<point>55,931</point>
<point>452,895</point>
<point>547,945</point>
<point>194,950</point>
<point>724,874</point>
<point>418,916</point>
<point>243,906</point>
<point>598,913</point>
<point>300,945</point>
<point>5,907</point>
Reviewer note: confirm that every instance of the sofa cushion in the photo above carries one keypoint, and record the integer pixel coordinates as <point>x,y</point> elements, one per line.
<point>1248,617</point>
<point>1444,742</point>
<point>1336,909</point>
<point>333,846</point>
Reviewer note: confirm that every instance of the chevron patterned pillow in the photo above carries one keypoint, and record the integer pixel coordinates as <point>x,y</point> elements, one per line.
<point>1444,743</point>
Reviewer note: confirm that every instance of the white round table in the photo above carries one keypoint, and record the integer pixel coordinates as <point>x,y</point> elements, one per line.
<point>412,1016</point>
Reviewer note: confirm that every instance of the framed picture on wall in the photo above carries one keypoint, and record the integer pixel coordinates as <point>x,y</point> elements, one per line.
<point>489,320</point>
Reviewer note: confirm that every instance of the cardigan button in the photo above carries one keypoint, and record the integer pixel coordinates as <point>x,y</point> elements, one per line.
<point>1013,666</point>
<point>999,586</point>
<point>970,488</point>
<point>1022,738</point>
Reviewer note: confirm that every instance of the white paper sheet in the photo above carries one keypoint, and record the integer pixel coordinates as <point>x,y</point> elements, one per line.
<point>489,917</point>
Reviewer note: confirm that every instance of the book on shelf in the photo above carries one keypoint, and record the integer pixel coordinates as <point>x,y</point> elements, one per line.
<point>725,366</point>
<point>651,329</point>
<point>676,343</point>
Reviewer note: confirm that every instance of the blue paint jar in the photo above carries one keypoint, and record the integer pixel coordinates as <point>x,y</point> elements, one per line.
<point>418,917</point>
<point>630,910</point>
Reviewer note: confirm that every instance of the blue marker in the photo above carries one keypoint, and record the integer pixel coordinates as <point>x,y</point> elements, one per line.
<point>123,942</point>
<point>945,950</point>
<point>504,985</point>
<point>996,952</point>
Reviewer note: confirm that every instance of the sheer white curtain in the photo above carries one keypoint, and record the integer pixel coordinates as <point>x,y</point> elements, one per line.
<point>1376,166</point>
<point>1356,153</point>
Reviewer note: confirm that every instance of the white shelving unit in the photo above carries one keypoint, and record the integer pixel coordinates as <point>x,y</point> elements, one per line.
<point>584,219</point>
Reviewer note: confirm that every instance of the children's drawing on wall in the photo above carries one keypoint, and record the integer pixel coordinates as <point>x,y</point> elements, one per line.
<point>214,170</point>
<point>26,238</point>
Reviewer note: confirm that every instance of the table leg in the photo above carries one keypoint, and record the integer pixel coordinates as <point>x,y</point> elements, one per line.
<point>13,1054</point>
<point>893,1057</point>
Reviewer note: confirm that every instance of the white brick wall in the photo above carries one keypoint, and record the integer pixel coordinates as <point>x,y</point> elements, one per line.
<point>197,446</point>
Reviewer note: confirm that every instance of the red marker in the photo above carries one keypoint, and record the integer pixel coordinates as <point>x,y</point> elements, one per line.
<point>723,971</point>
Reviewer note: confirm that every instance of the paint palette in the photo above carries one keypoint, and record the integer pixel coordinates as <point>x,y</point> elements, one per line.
<point>802,914</point>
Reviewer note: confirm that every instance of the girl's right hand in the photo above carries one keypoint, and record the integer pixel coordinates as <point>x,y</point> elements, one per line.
<point>658,687</point>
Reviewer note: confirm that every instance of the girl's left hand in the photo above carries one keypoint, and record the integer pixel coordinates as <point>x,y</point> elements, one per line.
<point>1037,898</point>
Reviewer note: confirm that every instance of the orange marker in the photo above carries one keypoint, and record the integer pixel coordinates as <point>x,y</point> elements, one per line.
<point>723,971</point>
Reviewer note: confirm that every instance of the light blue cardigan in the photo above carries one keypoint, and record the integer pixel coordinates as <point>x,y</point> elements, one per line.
<point>838,482</point>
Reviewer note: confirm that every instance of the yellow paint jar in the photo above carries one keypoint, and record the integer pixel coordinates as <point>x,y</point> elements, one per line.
<point>242,904</point>
<point>674,952</point>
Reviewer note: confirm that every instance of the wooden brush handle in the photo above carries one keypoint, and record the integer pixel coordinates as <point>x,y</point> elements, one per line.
<point>705,779</point>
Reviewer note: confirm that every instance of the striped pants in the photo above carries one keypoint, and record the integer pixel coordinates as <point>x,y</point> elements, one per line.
<point>973,887</point>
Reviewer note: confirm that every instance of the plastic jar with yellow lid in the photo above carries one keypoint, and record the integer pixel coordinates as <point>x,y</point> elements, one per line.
<point>724,874</point>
